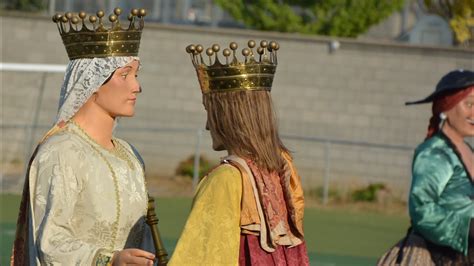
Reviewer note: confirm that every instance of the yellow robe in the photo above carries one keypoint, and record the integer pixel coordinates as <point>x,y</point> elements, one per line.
<point>211,235</point>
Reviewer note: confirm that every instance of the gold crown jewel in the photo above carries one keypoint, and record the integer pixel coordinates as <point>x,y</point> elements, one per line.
<point>100,41</point>
<point>233,75</point>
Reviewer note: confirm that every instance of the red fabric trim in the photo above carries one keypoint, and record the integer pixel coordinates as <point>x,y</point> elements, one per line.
<point>20,251</point>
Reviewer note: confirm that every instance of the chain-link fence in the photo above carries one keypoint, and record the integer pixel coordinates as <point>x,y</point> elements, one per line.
<point>322,162</point>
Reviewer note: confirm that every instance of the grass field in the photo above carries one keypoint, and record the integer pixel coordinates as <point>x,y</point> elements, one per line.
<point>338,236</point>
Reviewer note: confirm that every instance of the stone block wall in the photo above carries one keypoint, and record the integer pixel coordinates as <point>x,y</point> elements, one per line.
<point>355,95</point>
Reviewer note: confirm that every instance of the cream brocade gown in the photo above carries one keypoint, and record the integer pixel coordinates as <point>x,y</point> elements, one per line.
<point>80,209</point>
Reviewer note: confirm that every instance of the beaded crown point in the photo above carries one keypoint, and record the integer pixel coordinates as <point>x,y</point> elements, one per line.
<point>255,72</point>
<point>97,40</point>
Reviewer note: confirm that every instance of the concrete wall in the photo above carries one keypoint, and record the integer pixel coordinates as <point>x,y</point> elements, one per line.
<point>354,94</point>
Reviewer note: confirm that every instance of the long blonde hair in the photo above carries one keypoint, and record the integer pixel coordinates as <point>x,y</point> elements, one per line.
<point>245,122</point>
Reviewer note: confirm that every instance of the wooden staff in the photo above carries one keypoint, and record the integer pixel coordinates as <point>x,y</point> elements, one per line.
<point>152,221</point>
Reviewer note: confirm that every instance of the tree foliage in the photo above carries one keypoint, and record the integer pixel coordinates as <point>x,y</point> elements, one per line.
<point>458,13</point>
<point>345,18</point>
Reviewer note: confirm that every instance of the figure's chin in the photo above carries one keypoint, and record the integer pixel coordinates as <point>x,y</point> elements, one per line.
<point>125,114</point>
<point>218,147</point>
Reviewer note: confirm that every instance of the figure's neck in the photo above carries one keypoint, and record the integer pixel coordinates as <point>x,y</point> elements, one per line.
<point>98,124</point>
<point>243,156</point>
<point>453,135</point>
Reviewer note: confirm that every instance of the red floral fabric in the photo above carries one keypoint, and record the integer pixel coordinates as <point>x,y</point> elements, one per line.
<point>252,254</point>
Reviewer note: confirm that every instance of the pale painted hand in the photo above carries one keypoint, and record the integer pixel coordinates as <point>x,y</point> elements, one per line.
<point>132,256</point>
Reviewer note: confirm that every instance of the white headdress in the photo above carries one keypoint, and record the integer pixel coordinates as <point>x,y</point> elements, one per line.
<point>83,78</point>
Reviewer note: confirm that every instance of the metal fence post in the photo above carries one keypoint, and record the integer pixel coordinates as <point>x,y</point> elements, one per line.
<point>165,13</point>
<point>185,6</point>
<point>156,11</point>
<point>197,155</point>
<point>327,169</point>
<point>32,128</point>
<point>68,5</point>
<point>112,5</point>
<point>51,7</point>
<point>216,15</point>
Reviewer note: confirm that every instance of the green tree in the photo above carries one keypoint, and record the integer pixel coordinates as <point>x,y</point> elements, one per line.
<point>458,13</point>
<point>345,18</point>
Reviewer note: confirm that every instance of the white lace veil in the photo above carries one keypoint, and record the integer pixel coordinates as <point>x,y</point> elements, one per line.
<point>84,77</point>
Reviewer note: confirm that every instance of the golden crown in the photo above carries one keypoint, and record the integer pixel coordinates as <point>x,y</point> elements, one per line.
<point>100,41</point>
<point>234,75</point>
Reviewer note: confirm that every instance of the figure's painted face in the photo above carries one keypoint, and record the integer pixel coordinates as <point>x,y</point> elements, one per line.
<point>217,143</point>
<point>118,95</point>
<point>461,116</point>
